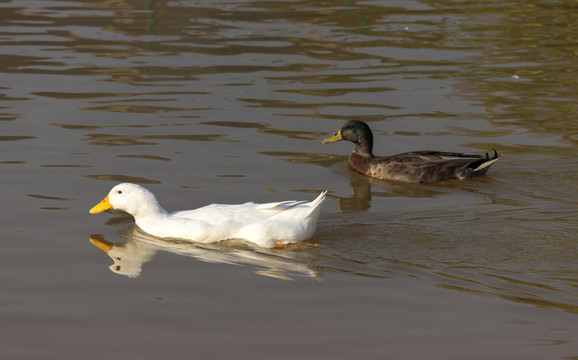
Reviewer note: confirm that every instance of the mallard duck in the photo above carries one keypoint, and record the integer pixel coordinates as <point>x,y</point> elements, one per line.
<point>267,225</point>
<point>415,166</point>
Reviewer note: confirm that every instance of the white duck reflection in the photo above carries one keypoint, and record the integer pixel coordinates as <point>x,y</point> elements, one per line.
<point>140,248</point>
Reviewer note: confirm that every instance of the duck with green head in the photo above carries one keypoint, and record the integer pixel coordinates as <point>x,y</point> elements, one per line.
<point>416,166</point>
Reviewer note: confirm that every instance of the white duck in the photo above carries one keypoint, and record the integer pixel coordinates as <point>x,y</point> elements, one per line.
<point>267,225</point>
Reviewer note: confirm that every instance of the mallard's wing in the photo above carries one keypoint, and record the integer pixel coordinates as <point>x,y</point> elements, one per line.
<point>431,166</point>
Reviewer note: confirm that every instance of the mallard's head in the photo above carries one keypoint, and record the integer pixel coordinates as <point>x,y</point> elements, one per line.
<point>357,132</point>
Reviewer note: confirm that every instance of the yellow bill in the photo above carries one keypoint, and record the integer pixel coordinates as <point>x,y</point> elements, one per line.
<point>101,244</point>
<point>101,206</point>
<point>333,138</point>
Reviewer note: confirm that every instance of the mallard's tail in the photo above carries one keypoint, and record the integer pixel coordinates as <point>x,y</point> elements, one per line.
<point>488,162</point>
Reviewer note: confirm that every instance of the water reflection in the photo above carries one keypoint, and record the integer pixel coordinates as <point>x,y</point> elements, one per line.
<point>267,129</point>
<point>363,193</point>
<point>140,248</point>
<point>356,250</point>
<point>131,140</point>
<point>123,178</point>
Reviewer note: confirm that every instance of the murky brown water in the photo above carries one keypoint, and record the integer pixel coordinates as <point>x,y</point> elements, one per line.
<point>227,102</point>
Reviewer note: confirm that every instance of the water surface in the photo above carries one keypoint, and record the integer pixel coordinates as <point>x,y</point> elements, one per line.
<point>227,102</point>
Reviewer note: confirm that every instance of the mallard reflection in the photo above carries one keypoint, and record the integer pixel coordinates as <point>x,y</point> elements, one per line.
<point>362,190</point>
<point>140,248</point>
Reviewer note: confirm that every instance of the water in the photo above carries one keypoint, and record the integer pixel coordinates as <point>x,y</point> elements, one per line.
<point>227,102</point>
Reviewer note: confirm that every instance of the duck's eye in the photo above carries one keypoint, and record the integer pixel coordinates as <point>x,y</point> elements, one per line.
<point>119,192</point>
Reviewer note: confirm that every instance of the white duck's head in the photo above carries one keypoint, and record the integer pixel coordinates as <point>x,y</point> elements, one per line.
<point>132,198</point>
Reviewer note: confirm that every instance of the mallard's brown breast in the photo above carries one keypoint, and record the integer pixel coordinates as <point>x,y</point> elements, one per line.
<point>362,164</point>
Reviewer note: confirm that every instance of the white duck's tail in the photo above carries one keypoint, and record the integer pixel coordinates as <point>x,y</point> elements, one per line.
<point>286,205</point>
<point>319,200</point>
<point>289,222</point>
<point>299,209</point>
<point>314,208</point>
